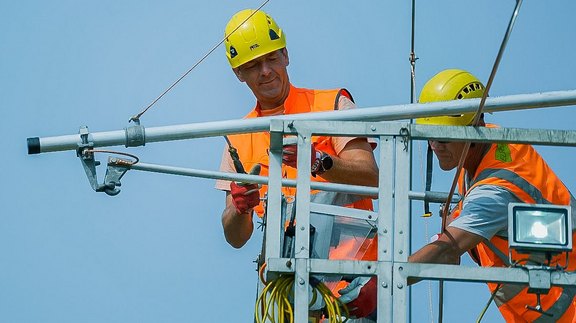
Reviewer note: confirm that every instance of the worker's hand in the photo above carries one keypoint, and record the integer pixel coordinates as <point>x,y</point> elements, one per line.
<point>360,297</point>
<point>290,155</point>
<point>246,196</point>
<point>318,304</point>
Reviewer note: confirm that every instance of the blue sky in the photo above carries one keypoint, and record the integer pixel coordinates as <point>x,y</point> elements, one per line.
<point>156,252</point>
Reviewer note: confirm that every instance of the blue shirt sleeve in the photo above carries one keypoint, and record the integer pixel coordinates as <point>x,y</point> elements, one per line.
<point>485,211</point>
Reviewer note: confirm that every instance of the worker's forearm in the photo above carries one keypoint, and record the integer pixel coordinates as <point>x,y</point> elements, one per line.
<point>237,227</point>
<point>353,172</point>
<point>438,252</point>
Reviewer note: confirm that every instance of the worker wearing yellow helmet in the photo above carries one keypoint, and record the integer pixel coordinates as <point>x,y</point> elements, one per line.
<point>450,84</point>
<point>494,175</point>
<point>256,51</point>
<point>251,34</point>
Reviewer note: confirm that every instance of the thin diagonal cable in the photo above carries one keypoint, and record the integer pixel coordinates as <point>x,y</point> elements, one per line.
<point>479,111</point>
<point>488,303</point>
<point>137,116</point>
<point>467,145</point>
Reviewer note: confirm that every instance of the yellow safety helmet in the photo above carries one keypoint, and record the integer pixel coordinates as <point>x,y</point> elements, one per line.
<point>257,35</point>
<point>450,84</point>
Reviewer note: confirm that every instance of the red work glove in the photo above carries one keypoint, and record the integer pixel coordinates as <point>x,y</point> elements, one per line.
<point>246,196</point>
<point>360,296</point>
<point>290,155</point>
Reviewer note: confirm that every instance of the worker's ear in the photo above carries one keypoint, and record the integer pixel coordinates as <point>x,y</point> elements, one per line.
<point>238,74</point>
<point>285,53</point>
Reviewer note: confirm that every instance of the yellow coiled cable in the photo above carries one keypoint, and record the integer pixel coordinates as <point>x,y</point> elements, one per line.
<point>277,295</point>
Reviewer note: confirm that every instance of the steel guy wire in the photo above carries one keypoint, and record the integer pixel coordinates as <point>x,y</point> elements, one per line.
<point>136,117</point>
<point>412,59</point>
<point>479,111</point>
<point>467,145</point>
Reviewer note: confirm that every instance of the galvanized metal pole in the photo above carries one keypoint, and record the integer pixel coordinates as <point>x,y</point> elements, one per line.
<point>38,145</point>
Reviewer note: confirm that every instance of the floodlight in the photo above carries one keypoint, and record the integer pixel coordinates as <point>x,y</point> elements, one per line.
<point>539,228</point>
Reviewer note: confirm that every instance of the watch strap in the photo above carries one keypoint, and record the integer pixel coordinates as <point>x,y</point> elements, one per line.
<point>319,166</point>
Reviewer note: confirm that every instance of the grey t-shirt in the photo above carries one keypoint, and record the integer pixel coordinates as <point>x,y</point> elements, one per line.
<point>485,211</point>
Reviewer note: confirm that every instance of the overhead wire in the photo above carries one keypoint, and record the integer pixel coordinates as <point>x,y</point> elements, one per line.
<point>492,296</point>
<point>475,121</point>
<point>136,117</point>
<point>427,180</point>
<point>495,291</point>
<point>480,108</point>
<point>413,57</point>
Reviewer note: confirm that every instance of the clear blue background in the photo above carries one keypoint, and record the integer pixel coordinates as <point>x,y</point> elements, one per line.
<point>156,252</point>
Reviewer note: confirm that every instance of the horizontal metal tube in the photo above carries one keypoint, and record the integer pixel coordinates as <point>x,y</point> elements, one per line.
<point>479,274</point>
<point>483,134</point>
<point>383,113</point>
<point>343,188</point>
<point>438,197</point>
<point>424,271</point>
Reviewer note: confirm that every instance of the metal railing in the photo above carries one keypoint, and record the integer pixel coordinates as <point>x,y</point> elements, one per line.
<point>394,191</point>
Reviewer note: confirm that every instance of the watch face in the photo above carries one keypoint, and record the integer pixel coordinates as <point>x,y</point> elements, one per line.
<point>327,162</point>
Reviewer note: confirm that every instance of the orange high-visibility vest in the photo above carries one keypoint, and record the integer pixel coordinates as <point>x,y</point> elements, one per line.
<point>253,148</point>
<point>523,172</point>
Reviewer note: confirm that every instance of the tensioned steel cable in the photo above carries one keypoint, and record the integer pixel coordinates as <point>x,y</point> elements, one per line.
<point>445,210</point>
<point>413,58</point>
<point>136,117</point>
<point>481,107</point>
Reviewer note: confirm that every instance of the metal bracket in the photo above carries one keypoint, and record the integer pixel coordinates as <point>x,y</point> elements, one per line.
<point>135,135</point>
<point>87,157</point>
<point>114,172</point>
<point>405,134</point>
<point>539,280</point>
<point>117,167</point>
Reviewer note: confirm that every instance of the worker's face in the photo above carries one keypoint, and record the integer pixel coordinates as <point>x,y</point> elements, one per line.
<point>267,77</point>
<point>448,153</point>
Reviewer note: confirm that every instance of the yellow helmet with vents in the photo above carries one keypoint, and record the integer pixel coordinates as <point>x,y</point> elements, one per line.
<point>450,84</point>
<point>250,34</point>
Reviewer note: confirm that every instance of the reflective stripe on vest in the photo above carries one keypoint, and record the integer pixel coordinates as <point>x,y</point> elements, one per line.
<point>507,292</point>
<point>513,178</point>
<point>522,171</point>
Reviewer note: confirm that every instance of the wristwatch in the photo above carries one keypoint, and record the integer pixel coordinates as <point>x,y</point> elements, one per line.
<point>323,163</point>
